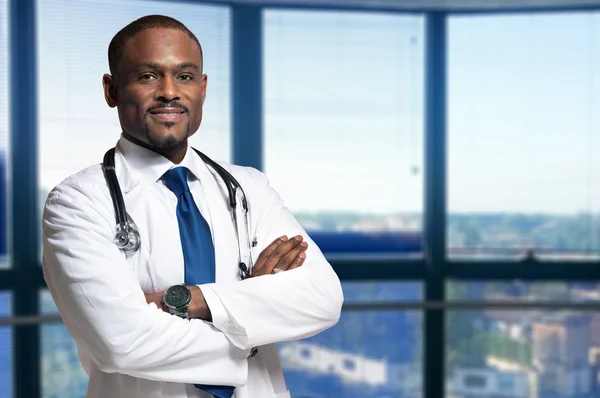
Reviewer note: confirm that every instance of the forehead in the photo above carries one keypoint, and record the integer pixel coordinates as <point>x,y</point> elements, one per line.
<point>160,46</point>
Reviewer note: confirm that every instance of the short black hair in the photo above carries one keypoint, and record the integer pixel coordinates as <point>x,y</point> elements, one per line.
<point>115,48</point>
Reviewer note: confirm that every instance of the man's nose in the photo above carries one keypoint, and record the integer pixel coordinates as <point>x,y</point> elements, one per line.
<point>168,90</point>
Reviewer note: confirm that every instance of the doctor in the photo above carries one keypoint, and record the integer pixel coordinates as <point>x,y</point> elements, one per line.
<point>221,343</point>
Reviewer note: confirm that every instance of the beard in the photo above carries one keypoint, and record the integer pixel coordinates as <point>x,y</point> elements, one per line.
<point>167,141</point>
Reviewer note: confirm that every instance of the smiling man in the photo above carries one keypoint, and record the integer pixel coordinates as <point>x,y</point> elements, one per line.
<point>174,317</point>
<point>159,88</point>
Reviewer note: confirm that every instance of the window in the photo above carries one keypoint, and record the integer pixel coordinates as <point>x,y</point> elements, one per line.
<point>343,145</point>
<point>523,127</point>
<point>76,125</point>
<point>343,131</point>
<point>4,133</point>
<point>62,373</point>
<point>6,339</point>
<point>370,353</point>
<point>518,351</point>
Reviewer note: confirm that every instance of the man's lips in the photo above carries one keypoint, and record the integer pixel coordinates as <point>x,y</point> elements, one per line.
<point>172,114</point>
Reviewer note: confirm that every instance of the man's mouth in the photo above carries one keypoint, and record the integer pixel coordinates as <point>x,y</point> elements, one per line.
<point>168,114</point>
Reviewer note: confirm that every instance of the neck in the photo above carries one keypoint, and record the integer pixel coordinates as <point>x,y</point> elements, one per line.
<point>175,155</point>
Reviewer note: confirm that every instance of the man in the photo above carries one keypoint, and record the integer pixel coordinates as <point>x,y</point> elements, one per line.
<point>130,342</point>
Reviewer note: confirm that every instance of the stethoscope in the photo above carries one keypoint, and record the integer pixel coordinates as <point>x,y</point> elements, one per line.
<point>127,235</point>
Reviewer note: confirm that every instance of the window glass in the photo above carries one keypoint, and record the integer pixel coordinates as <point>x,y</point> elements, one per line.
<point>343,125</point>
<point>374,353</point>
<point>6,350</point>
<point>62,373</point>
<point>524,134</point>
<point>516,352</point>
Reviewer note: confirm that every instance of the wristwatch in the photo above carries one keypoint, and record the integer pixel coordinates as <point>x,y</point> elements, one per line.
<point>177,299</point>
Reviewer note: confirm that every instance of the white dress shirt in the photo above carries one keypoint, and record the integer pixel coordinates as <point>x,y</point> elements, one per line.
<point>133,349</point>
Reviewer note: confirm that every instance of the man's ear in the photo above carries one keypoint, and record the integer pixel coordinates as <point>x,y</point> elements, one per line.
<point>110,90</point>
<point>204,83</point>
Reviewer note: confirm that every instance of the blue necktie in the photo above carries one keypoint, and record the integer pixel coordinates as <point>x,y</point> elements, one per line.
<point>197,245</point>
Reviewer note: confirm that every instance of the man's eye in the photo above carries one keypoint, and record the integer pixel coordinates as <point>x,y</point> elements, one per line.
<point>186,77</point>
<point>146,76</point>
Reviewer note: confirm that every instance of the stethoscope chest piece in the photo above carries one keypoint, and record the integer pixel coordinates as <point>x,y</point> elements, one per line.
<point>127,238</point>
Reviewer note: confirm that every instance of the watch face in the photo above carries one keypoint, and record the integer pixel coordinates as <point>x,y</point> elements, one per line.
<point>177,296</point>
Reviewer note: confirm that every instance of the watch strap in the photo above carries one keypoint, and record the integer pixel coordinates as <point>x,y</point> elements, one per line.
<point>180,312</point>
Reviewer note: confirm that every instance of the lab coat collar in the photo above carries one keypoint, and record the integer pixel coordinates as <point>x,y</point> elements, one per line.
<point>144,167</point>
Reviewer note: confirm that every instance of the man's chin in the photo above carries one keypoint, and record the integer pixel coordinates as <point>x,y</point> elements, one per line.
<point>169,141</point>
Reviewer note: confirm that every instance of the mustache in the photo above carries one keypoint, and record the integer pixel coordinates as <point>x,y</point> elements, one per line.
<point>168,105</point>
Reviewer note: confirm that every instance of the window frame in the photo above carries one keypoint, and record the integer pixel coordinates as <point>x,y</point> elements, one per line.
<point>25,279</point>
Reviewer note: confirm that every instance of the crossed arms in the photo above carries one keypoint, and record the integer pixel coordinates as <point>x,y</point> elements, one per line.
<point>283,254</point>
<point>100,300</point>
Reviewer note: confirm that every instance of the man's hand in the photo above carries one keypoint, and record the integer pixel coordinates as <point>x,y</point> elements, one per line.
<point>156,298</point>
<point>283,254</point>
<point>197,308</point>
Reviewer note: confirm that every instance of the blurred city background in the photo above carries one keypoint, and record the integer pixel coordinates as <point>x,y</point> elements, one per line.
<point>435,151</point>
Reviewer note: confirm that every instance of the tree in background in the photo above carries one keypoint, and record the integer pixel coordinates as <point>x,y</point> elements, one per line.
<point>465,342</point>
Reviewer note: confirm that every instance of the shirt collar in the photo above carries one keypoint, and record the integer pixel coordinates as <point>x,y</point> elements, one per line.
<point>146,167</point>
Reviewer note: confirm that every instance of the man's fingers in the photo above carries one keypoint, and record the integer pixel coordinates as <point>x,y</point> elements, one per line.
<point>280,252</point>
<point>298,261</point>
<point>287,260</point>
<point>264,255</point>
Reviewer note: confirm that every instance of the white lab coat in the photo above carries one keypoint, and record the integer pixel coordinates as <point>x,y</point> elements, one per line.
<point>133,349</point>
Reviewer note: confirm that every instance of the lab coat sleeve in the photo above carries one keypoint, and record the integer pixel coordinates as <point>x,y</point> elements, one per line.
<point>287,306</point>
<point>102,304</point>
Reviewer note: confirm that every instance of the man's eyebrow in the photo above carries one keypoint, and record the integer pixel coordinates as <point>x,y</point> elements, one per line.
<point>148,65</point>
<point>188,65</point>
<point>155,66</point>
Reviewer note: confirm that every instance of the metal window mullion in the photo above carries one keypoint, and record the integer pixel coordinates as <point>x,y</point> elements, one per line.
<point>435,203</point>
<point>24,237</point>
<point>247,89</point>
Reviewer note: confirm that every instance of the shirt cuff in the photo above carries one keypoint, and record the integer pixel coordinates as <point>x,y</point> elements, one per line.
<point>223,321</point>
<point>220,317</point>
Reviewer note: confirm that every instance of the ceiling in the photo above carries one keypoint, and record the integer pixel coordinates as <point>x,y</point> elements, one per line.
<point>442,5</point>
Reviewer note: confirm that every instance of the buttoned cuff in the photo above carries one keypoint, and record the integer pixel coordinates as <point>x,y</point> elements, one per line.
<point>222,320</point>
<point>220,317</point>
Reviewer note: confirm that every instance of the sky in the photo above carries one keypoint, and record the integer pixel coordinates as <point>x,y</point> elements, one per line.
<point>343,103</point>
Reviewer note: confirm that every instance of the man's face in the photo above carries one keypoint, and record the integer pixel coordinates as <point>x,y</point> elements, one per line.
<point>160,88</point>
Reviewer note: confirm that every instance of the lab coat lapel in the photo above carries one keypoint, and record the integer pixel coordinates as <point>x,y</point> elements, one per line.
<point>147,261</point>
<point>226,249</point>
